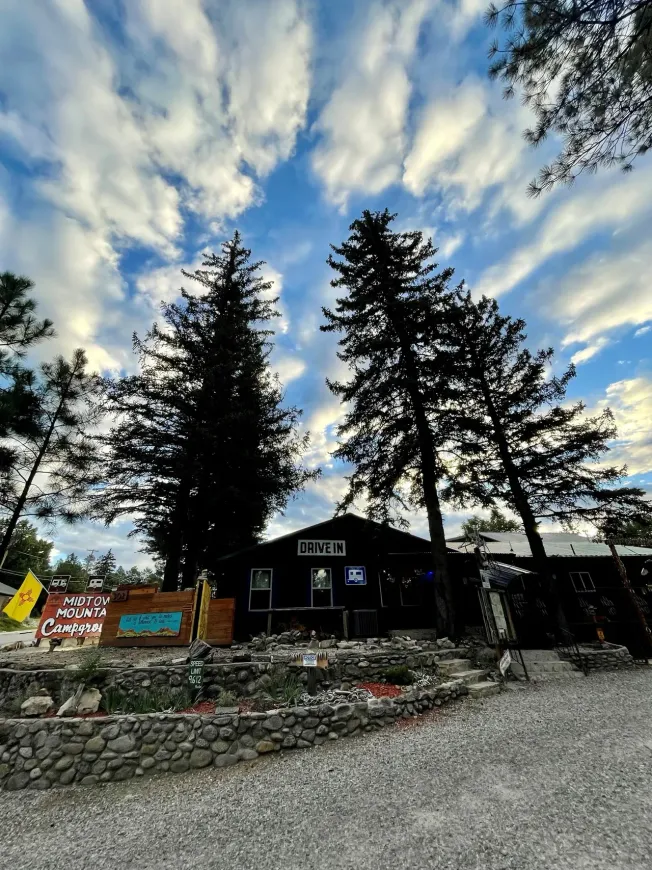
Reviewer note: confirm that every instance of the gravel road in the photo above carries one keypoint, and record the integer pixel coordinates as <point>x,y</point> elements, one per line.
<point>554,775</point>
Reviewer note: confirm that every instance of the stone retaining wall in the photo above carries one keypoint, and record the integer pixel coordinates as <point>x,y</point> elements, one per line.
<point>608,656</point>
<point>245,678</point>
<point>42,753</point>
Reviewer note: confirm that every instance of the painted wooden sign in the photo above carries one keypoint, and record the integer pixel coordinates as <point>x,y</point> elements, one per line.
<point>310,660</point>
<point>76,616</point>
<point>149,624</point>
<point>196,674</point>
<point>321,548</point>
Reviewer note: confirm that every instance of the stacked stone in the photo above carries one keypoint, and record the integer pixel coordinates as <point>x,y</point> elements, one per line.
<point>52,752</point>
<point>608,657</point>
<point>242,676</point>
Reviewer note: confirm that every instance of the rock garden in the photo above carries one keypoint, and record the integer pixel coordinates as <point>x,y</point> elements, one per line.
<point>99,721</point>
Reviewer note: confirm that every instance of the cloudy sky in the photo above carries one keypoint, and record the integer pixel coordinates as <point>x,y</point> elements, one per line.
<point>135,134</point>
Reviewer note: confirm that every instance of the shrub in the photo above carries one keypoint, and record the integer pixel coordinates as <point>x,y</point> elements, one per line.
<point>283,687</point>
<point>226,699</point>
<point>90,663</point>
<point>163,700</point>
<point>399,675</point>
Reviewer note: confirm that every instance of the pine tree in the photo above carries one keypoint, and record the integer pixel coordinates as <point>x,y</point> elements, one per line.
<point>497,522</point>
<point>396,423</point>
<point>28,551</point>
<point>204,452</point>
<point>54,468</point>
<point>19,330</point>
<point>519,443</point>
<point>105,566</point>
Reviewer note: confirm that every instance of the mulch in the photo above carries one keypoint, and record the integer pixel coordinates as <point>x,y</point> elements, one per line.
<point>381,690</point>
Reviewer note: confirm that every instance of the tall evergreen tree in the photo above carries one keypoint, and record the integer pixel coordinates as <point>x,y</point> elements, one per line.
<point>28,551</point>
<point>106,565</point>
<point>396,423</point>
<point>520,443</point>
<point>203,452</point>
<point>497,522</point>
<point>54,468</point>
<point>19,330</point>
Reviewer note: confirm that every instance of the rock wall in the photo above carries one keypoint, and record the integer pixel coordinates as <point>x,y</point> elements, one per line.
<point>609,656</point>
<point>244,677</point>
<point>43,753</point>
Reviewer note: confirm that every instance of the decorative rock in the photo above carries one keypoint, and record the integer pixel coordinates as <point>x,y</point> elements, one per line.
<point>290,741</point>
<point>147,762</point>
<point>265,746</point>
<point>122,744</point>
<point>209,733</point>
<point>38,705</point>
<point>220,746</point>
<point>17,781</point>
<point>64,763</point>
<point>274,723</point>
<point>67,776</point>
<point>95,744</point>
<point>91,779</point>
<point>199,649</point>
<point>181,765</point>
<point>225,760</point>
<point>89,702</point>
<point>72,748</point>
<point>200,758</point>
<point>247,754</point>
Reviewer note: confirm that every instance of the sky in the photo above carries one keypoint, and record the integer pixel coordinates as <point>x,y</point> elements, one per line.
<point>137,134</point>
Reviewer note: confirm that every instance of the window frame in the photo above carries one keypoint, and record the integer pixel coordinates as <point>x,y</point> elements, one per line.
<point>323,589</point>
<point>400,589</point>
<point>581,575</point>
<point>251,589</point>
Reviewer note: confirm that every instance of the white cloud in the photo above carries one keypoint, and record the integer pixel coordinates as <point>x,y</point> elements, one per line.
<point>642,331</point>
<point>468,146</point>
<point>631,403</point>
<point>363,125</point>
<point>589,351</point>
<point>616,202</point>
<point>605,293</point>
<point>288,368</point>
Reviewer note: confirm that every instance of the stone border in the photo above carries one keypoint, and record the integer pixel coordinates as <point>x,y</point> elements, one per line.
<point>607,656</point>
<point>43,753</point>
<point>245,677</point>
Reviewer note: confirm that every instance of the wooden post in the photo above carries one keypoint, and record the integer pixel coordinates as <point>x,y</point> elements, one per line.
<point>269,623</point>
<point>647,634</point>
<point>345,624</point>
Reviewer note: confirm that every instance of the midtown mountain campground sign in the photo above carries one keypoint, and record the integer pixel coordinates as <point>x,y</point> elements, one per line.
<point>67,616</point>
<point>321,548</point>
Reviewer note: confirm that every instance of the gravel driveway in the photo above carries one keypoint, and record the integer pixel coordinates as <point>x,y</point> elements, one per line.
<point>555,775</point>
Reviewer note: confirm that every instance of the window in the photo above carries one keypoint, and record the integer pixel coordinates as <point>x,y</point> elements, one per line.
<point>322,587</point>
<point>581,581</point>
<point>409,588</point>
<point>260,591</point>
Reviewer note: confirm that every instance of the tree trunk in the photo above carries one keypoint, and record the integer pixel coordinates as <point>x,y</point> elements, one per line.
<point>522,505</point>
<point>20,504</point>
<point>179,527</point>
<point>444,600</point>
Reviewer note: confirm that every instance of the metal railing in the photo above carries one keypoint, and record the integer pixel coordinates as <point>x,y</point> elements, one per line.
<point>566,644</point>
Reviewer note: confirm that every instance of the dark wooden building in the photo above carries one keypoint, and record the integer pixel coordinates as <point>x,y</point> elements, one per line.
<point>348,576</point>
<point>591,588</point>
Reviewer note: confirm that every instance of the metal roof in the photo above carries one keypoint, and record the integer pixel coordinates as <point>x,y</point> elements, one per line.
<point>7,590</point>
<point>520,547</point>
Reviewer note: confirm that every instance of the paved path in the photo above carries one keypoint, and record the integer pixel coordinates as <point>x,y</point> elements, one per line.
<point>557,775</point>
<point>26,635</point>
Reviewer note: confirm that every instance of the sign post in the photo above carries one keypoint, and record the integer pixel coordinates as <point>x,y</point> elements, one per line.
<point>196,676</point>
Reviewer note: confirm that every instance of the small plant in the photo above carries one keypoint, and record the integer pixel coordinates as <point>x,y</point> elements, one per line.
<point>163,700</point>
<point>283,687</point>
<point>90,664</point>
<point>399,675</point>
<point>226,699</point>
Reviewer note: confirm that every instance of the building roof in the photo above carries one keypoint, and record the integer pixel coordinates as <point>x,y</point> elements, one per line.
<point>363,522</point>
<point>7,590</point>
<point>517,545</point>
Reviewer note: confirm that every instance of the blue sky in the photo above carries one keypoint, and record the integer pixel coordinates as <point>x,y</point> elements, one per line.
<point>134,135</point>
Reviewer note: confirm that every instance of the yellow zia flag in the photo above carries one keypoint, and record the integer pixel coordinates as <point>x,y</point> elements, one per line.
<point>20,606</point>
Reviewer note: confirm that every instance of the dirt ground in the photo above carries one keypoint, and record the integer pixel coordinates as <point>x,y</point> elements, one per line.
<point>40,656</point>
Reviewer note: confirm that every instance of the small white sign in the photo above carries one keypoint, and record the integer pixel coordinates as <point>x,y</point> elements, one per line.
<point>505,662</point>
<point>321,548</point>
<point>309,660</point>
<point>484,576</point>
<point>95,583</point>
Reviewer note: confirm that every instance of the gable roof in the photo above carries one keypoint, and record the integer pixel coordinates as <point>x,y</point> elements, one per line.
<point>571,549</point>
<point>307,530</point>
